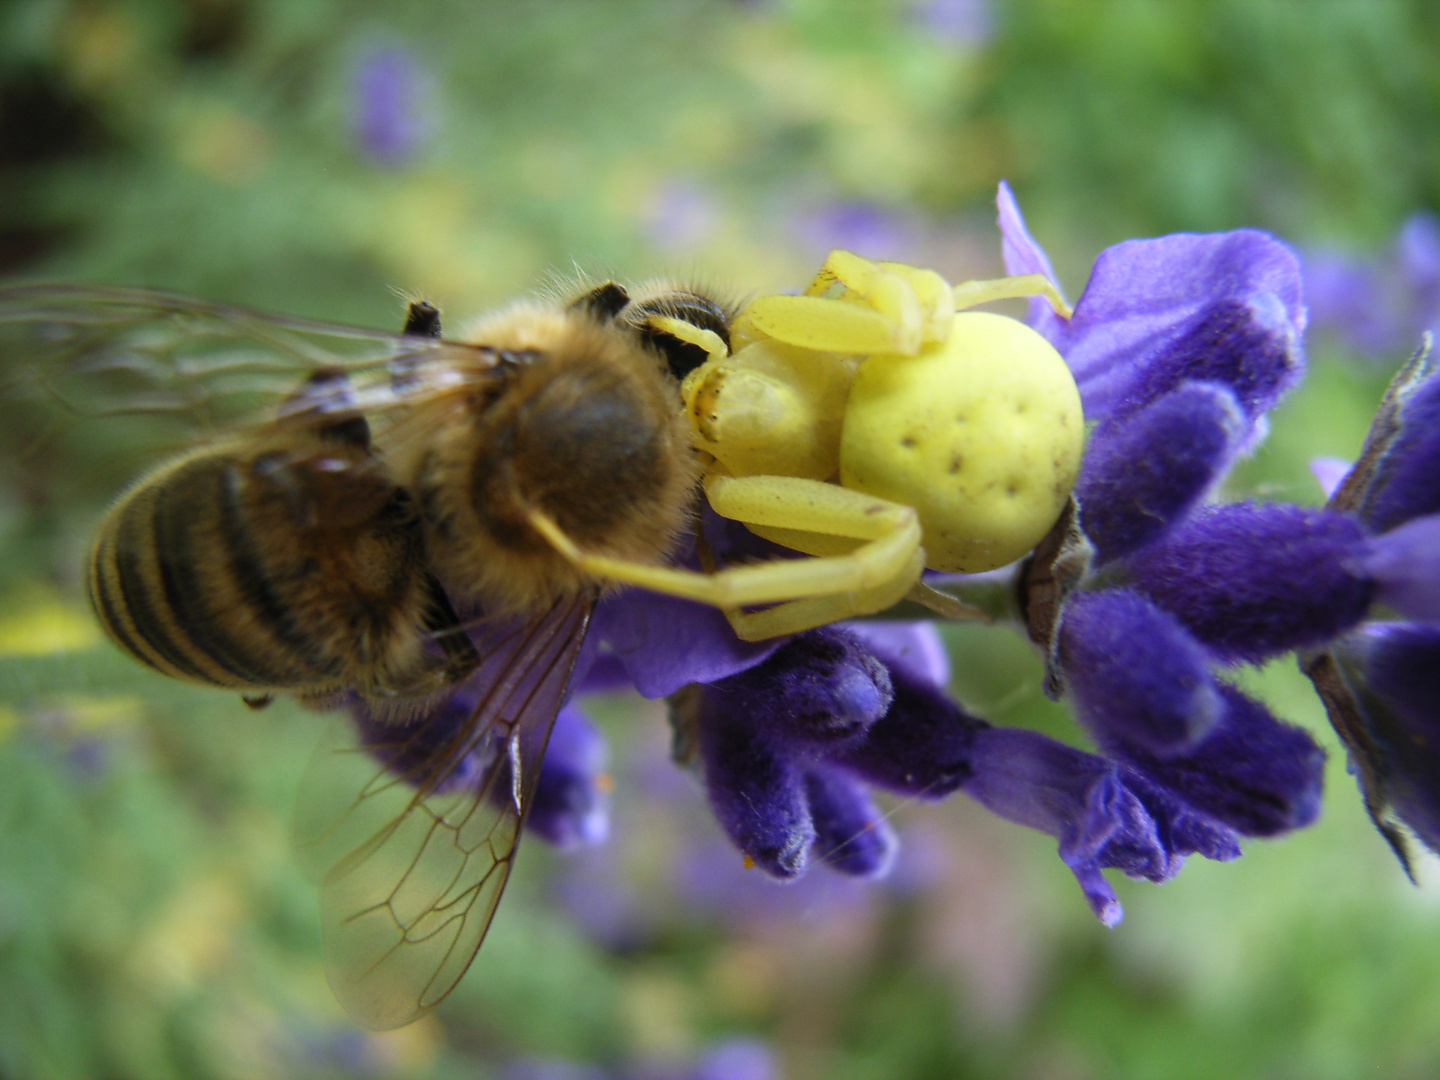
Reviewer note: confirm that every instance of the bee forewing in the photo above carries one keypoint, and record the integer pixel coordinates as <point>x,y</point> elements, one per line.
<point>410,879</point>
<point>95,351</point>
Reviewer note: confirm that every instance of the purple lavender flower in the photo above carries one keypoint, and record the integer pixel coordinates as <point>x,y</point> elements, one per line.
<point>785,749</point>
<point>1377,678</point>
<point>1180,346</point>
<point>733,1059</point>
<point>389,106</point>
<point>864,228</point>
<point>960,22</point>
<point>1379,304</point>
<point>1175,587</point>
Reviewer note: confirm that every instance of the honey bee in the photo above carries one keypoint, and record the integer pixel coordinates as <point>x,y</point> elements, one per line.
<point>324,550</point>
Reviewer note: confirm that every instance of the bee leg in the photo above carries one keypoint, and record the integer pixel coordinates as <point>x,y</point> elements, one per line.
<point>258,701</point>
<point>448,633</point>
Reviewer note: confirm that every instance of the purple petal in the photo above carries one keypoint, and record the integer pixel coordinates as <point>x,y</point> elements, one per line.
<point>1137,677</point>
<point>1101,818</point>
<point>1417,250</point>
<point>1404,564</point>
<point>389,93</point>
<point>665,643</point>
<point>1408,483</point>
<point>1146,299</point>
<point>1148,470</point>
<point>1181,829</point>
<point>1247,344</point>
<point>1252,773</point>
<point>411,748</point>
<point>571,808</point>
<point>1328,472</point>
<point>1254,580</point>
<point>757,792</point>
<point>736,1059</point>
<point>914,646</point>
<point>1022,256</point>
<point>851,833</point>
<point>1354,297</point>
<point>820,690</point>
<point>920,747</point>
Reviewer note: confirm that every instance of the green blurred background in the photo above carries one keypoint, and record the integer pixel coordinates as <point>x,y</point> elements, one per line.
<point>314,156</point>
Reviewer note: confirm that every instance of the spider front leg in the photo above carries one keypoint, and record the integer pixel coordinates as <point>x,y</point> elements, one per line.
<point>882,568</point>
<point>969,293</point>
<point>882,308</point>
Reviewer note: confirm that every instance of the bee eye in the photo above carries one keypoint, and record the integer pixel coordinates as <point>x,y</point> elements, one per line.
<point>681,357</point>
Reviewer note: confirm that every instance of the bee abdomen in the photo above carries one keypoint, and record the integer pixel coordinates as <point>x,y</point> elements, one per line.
<point>177,581</point>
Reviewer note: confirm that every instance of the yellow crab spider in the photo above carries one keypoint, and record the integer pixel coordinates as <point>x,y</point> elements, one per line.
<point>867,424</point>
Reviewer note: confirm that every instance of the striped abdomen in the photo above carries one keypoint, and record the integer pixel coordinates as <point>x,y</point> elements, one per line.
<point>229,567</point>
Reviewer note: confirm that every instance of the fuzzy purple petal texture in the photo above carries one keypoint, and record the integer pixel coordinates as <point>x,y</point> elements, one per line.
<point>851,833</point>
<point>1157,307</point>
<point>1102,815</point>
<point>1181,829</point>
<point>1147,471</point>
<point>1408,483</point>
<point>1404,564</point>
<point>1254,580</point>
<point>1253,773</point>
<point>819,691</point>
<point>772,741</point>
<point>1402,666</point>
<point>920,747</point>
<point>757,792</point>
<point>1247,344</point>
<point>1136,676</point>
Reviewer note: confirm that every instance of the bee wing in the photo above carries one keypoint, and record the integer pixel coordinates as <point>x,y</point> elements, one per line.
<point>100,352</point>
<point>410,877</point>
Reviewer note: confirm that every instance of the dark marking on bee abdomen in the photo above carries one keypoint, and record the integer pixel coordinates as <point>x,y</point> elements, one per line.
<point>175,581</point>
